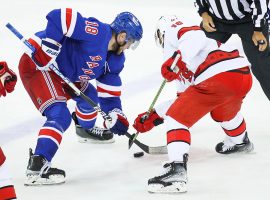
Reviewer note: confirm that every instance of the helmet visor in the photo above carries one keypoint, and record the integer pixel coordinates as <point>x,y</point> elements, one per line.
<point>133,44</point>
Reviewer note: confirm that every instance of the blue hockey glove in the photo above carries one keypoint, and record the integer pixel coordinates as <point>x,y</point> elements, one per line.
<point>119,124</point>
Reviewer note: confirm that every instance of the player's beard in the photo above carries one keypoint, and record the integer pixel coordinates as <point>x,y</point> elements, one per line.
<point>117,48</point>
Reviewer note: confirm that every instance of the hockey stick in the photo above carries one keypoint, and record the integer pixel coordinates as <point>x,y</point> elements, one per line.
<point>134,136</point>
<point>31,49</point>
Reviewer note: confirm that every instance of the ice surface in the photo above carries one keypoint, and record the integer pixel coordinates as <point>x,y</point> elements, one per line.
<point>102,172</point>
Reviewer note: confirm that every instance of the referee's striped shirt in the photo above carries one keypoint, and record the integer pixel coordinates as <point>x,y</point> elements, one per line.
<point>236,11</point>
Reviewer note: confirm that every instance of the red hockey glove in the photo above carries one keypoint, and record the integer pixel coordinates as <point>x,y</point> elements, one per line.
<point>143,123</point>
<point>119,124</point>
<point>166,70</point>
<point>8,79</point>
<point>48,50</point>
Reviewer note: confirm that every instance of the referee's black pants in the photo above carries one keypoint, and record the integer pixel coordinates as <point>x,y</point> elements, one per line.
<point>260,61</point>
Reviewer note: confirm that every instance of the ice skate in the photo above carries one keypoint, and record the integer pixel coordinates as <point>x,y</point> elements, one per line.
<point>93,135</point>
<point>228,147</point>
<point>39,172</point>
<point>172,180</point>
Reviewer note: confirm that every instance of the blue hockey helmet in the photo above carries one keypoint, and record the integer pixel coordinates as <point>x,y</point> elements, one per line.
<point>128,23</point>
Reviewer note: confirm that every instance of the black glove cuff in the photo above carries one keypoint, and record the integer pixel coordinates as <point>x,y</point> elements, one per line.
<point>158,121</point>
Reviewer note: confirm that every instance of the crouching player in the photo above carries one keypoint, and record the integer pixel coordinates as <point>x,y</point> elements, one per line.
<point>211,79</point>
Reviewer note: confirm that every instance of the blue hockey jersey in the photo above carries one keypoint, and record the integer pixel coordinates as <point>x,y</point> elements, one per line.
<point>84,54</point>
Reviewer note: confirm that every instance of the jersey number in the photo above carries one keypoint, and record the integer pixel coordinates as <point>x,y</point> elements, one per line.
<point>178,23</point>
<point>91,28</point>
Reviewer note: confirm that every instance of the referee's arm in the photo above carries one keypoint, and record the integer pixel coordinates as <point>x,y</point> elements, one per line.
<point>207,21</point>
<point>259,17</point>
<point>202,6</point>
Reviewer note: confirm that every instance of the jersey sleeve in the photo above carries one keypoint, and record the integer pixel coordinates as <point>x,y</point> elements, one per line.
<point>259,15</point>
<point>202,6</point>
<point>109,86</point>
<point>70,23</point>
<point>190,44</point>
<point>109,92</point>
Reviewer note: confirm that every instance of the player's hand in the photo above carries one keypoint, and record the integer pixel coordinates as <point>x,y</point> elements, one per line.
<point>207,22</point>
<point>119,124</point>
<point>8,79</point>
<point>48,50</point>
<point>145,122</point>
<point>259,40</point>
<point>167,72</point>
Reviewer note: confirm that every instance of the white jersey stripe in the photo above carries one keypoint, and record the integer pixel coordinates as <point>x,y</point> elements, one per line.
<point>245,5</point>
<point>225,10</point>
<point>51,83</point>
<point>63,21</point>
<point>72,24</point>
<point>235,7</point>
<point>222,67</point>
<point>108,87</point>
<point>214,7</point>
<point>50,102</point>
<point>48,84</point>
<point>49,137</point>
<point>102,94</point>
<point>233,123</point>
<point>5,178</point>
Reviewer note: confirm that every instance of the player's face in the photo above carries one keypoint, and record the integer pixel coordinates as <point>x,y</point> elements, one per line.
<point>121,43</point>
<point>159,39</point>
<point>124,44</point>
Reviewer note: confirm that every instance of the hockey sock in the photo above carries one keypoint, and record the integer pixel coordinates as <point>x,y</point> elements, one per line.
<point>235,129</point>
<point>86,119</point>
<point>178,139</point>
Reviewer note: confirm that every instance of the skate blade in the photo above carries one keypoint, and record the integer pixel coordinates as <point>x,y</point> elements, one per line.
<point>177,187</point>
<point>93,141</point>
<point>247,150</point>
<point>36,180</point>
<point>250,148</point>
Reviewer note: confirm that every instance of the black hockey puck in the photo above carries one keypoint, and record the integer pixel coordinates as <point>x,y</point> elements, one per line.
<point>138,154</point>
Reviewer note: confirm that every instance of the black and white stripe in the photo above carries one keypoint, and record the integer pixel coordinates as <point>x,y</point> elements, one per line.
<point>235,11</point>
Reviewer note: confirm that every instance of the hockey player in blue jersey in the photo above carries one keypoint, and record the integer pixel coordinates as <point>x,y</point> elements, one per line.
<point>84,49</point>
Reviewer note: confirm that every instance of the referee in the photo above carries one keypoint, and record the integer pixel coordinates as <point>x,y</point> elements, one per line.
<point>247,19</point>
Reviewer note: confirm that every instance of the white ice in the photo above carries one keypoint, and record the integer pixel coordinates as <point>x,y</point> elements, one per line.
<point>102,172</point>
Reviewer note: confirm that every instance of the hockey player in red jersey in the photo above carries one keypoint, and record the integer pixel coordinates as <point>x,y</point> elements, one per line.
<point>83,49</point>
<point>211,79</point>
<point>8,81</point>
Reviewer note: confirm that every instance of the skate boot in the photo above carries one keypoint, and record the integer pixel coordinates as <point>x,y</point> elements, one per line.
<point>39,172</point>
<point>172,180</point>
<point>228,147</point>
<point>93,135</point>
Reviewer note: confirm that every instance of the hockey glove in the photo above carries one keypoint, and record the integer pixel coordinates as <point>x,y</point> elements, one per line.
<point>143,123</point>
<point>166,70</point>
<point>8,79</point>
<point>48,50</point>
<point>119,124</point>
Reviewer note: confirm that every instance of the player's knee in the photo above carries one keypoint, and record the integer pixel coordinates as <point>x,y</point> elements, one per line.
<point>58,114</point>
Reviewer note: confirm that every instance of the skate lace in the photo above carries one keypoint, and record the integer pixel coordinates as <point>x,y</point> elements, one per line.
<point>228,144</point>
<point>166,169</point>
<point>45,168</point>
<point>96,130</point>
